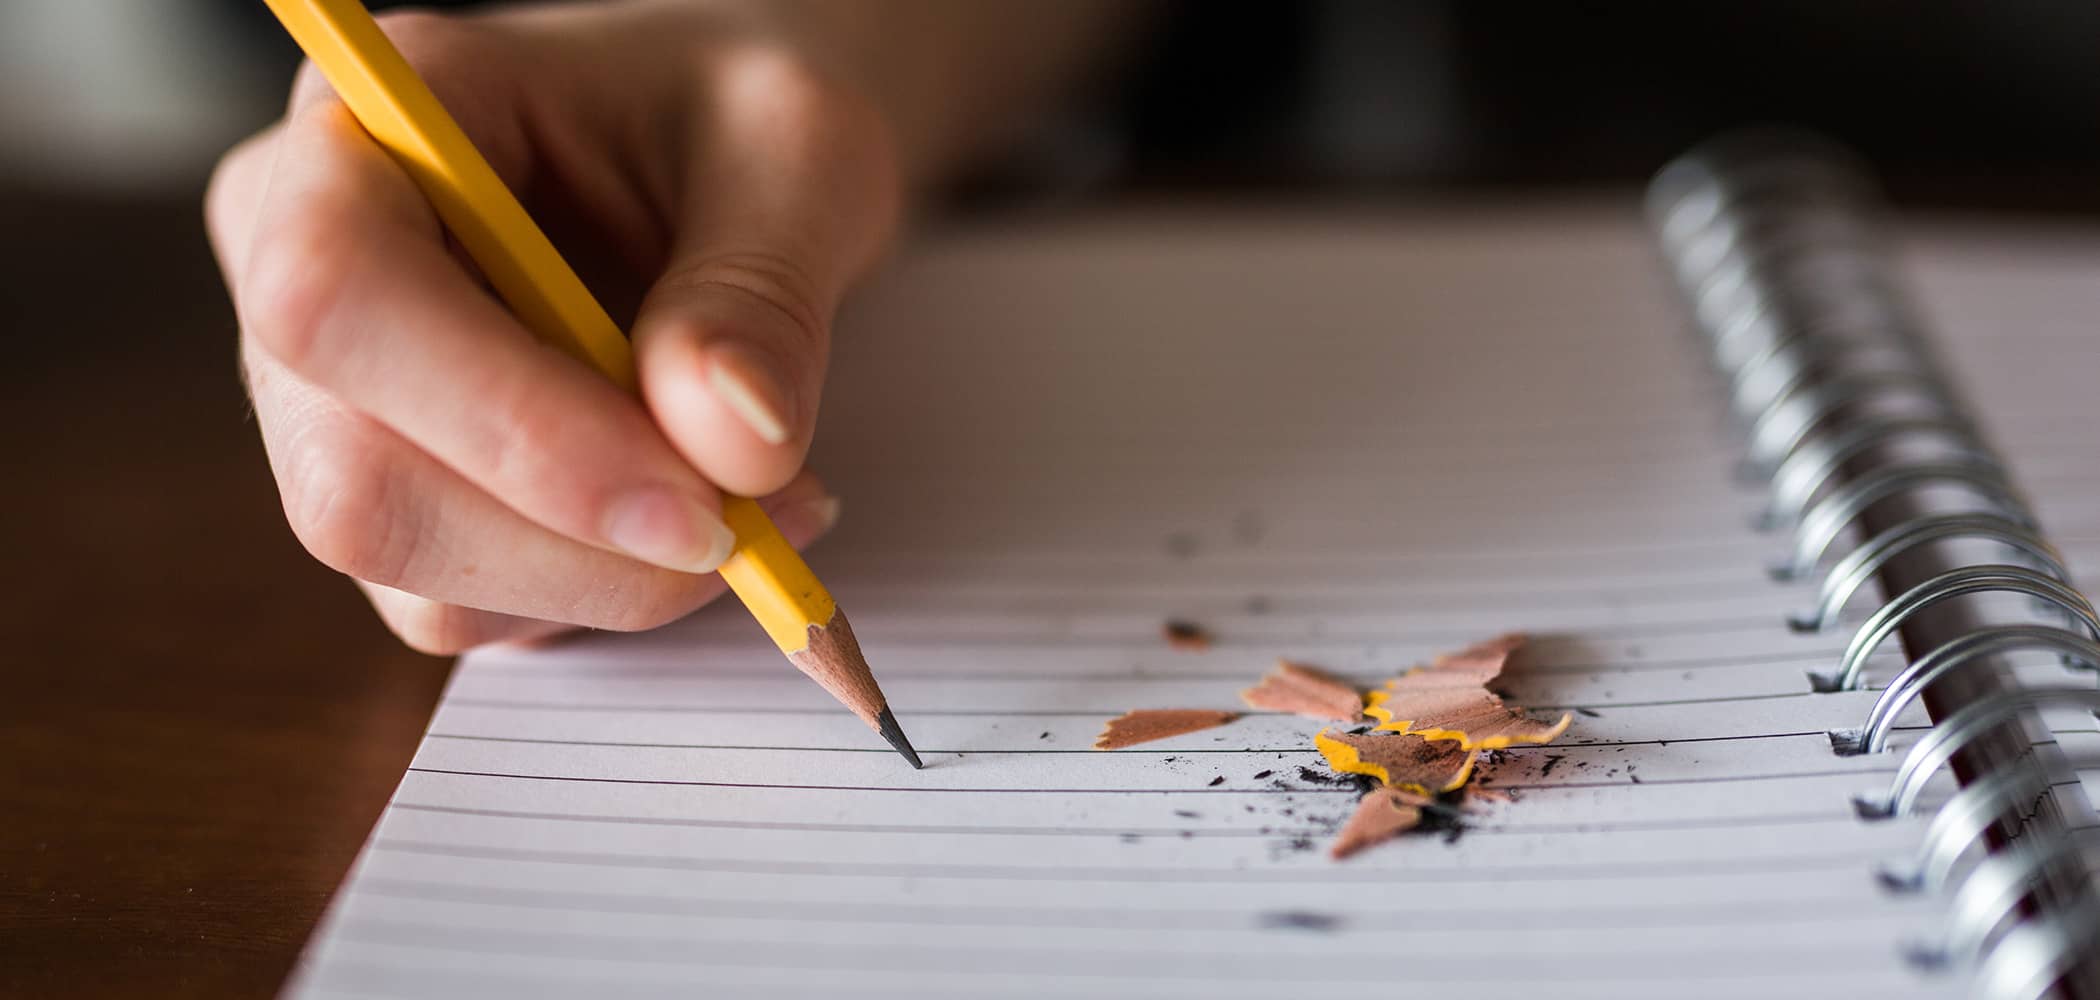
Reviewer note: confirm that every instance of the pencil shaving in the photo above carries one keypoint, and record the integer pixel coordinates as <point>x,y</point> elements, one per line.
<point>1490,654</point>
<point>1147,724</point>
<point>1422,764</point>
<point>1308,691</point>
<point>1512,729</point>
<point>1402,761</point>
<point>1449,700</point>
<point>1379,817</point>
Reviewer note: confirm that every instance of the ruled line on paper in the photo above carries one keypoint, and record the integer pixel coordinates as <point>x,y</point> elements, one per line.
<point>1026,713</point>
<point>526,669</point>
<point>1066,641</point>
<point>1090,751</point>
<point>1840,814</point>
<point>359,978</point>
<point>1711,553</point>
<point>1603,916</point>
<point>796,959</point>
<point>447,936</point>
<point>1319,876</point>
<point>996,790</point>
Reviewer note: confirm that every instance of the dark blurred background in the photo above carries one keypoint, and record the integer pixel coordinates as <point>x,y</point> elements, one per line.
<point>198,725</point>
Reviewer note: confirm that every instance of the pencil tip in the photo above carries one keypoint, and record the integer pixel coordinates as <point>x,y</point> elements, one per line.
<point>886,724</point>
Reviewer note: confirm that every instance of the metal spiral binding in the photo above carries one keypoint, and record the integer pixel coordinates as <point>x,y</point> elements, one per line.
<point>1772,242</point>
<point>1991,894</point>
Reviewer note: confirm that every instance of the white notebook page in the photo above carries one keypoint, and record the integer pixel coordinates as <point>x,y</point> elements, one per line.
<point>1351,442</point>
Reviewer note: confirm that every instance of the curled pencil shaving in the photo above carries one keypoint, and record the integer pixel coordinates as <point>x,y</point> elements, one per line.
<point>1478,722</point>
<point>1490,654</point>
<point>1147,724</point>
<point>1449,700</point>
<point>1379,817</point>
<point>1405,761</point>
<point>1302,690</point>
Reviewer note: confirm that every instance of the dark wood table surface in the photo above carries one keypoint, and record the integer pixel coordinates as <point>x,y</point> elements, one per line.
<point>198,724</point>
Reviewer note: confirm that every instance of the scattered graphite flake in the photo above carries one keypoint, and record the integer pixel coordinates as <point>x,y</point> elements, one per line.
<point>1188,637</point>
<point>1308,691</point>
<point>1400,761</point>
<point>1219,780</point>
<point>1147,724</point>
<point>1313,776</point>
<point>1449,700</point>
<point>1438,818</point>
<point>1379,817</point>
<point>1299,920</point>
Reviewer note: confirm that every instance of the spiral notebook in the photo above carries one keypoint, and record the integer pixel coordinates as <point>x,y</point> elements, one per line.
<point>1350,441</point>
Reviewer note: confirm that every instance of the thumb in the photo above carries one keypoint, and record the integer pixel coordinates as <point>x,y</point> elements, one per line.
<point>790,194</point>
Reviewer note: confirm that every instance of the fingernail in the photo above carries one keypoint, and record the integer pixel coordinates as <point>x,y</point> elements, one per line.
<point>752,389</point>
<point>658,525</point>
<point>806,521</point>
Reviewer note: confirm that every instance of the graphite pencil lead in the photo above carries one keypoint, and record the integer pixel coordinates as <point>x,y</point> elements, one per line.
<point>886,724</point>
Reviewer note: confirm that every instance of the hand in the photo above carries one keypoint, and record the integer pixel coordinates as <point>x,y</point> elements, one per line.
<point>482,487</point>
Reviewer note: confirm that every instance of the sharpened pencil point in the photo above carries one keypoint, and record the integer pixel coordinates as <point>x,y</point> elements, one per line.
<point>886,724</point>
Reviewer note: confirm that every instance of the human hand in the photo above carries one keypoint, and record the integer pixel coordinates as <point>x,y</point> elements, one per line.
<point>482,487</point>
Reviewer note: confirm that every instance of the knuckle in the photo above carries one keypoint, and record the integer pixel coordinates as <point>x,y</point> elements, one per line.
<point>653,602</point>
<point>341,501</point>
<point>776,281</point>
<point>834,138</point>
<point>789,88</point>
<point>308,84</point>
<point>234,168</point>
<point>295,275</point>
<point>459,57</point>
<point>774,73</point>
<point>793,101</point>
<point>529,450</point>
<point>427,35</point>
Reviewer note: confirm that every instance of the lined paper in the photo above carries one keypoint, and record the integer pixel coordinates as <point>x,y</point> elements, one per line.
<point>1353,443</point>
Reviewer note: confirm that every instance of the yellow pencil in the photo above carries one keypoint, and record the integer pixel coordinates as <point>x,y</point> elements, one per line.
<point>401,113</point>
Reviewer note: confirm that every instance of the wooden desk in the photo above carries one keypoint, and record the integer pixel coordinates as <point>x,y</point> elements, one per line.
<point>198,724</point>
